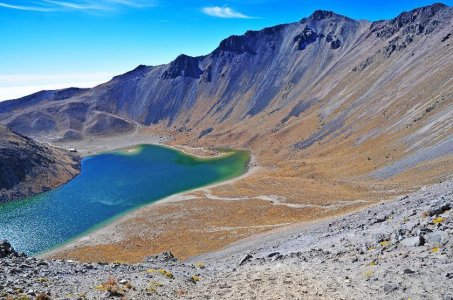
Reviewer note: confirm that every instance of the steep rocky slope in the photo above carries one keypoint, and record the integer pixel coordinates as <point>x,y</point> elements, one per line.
<point>28,168</point>
<point>396,250</point>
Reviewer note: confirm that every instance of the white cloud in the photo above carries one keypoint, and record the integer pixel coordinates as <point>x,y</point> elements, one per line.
<point>19,85</point>
<point>135,3</point>
<point>76,5</point>
<point>29,8</point>
<point>224,12</point>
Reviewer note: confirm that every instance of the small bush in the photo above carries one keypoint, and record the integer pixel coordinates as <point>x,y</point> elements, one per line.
<point>43,297</point>
<point>195,278</point>
<point>368,274</point>
<point>438,220</point>
<point>111,286</point>
<point>166,273</point>
<point>200,265</point>
<point>153,286</point>
<point>384,243</point>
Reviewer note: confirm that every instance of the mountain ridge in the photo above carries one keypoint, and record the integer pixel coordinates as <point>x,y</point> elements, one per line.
<point>316,15</point>
<point>325,62</point>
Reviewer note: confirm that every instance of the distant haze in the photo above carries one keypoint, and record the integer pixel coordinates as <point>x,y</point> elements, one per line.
<point>16,86</point>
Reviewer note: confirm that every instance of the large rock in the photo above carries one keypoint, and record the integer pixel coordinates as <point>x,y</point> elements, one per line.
<point>7,250</point>
<point>438,208</point>
<point>412,241</point>
<point>437,238</point>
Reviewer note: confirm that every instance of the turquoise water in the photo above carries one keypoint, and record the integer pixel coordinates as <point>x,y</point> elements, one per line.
<point>109,185</point>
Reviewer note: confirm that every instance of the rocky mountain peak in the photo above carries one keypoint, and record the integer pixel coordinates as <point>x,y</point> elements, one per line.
<point>421,15</point>
<point>236,44</point>
<point>137,72</point>
<point>322,14</point>
<point>403,29</point>
<point>185,66</point>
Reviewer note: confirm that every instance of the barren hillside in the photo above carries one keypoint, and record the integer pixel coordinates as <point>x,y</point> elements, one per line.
<point>28,168</point>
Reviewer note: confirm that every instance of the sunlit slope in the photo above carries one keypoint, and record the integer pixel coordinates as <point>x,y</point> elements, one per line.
<point>332,94</point>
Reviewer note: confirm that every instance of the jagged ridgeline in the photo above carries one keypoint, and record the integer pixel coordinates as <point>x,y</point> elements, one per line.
<point>325,80</point>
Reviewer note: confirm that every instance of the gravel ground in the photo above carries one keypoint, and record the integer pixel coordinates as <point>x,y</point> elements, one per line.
<point>395,250</point>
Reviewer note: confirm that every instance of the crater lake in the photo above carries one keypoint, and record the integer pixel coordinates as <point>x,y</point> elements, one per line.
<point>110,185</point>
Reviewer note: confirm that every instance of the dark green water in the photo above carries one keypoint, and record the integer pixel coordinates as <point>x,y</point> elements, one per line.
<point>109,185</point>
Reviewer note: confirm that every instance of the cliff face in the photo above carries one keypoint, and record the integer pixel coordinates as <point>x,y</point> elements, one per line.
<point>316,87</point>
<point>28,168</point>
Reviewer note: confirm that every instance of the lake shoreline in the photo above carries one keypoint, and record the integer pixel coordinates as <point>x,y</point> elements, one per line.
<point>107,226</point>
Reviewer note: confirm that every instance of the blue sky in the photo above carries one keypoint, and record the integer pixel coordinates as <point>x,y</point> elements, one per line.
<point>57,43</point>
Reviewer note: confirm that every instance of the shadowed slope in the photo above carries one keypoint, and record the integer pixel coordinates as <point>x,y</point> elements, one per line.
<point>28,168</point>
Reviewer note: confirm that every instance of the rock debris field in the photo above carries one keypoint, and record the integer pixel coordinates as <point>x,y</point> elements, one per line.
<point>400,249</point>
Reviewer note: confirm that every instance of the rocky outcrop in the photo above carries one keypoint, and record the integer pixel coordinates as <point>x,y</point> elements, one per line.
<point>306,37</point>
<point>184,66</point>
<point>235,44</point>
<point>6,250</point>
<point>28,168</point>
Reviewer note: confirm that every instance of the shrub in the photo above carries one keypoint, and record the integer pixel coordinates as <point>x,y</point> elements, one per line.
<point>384,243</point>
<point>111,286</point>
<point>368,274</point>
<point>200,265</point>
<point>166,273</point>
<point>195,278</point>
<point>153,286</point>
<point>438,220</point>
<point>42,279</point>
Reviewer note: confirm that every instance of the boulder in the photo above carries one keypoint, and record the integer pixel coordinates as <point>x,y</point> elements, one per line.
<point>439,208</point>
<point>7,250</point>
<point>437,238</point>
<point>412,241</point>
